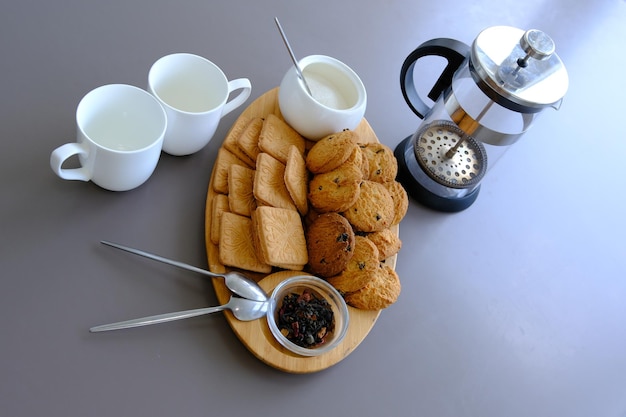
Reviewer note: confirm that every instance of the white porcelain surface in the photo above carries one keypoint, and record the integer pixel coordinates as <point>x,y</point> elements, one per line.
<point>120,131</point>
<point>195,94</point>
<point>311,115</point>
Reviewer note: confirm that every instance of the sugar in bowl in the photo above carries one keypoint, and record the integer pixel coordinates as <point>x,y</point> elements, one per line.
<point>337,101</point>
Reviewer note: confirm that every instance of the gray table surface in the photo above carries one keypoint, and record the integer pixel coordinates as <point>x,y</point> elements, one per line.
<point>514,307</point>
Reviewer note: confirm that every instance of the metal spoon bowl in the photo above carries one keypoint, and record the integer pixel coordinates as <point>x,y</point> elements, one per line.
<point>236,282</point>
<point>243,309</point>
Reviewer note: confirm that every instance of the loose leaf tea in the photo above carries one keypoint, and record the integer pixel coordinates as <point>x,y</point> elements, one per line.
<point>305,319</point>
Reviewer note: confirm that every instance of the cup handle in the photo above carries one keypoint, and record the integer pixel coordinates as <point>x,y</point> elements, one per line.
<point>61,154</point>
<point>245,86</point>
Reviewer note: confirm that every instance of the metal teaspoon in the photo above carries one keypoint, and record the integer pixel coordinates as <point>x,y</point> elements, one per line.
<point>293,57</point>
<point>242,308</point>
<point>235,281</point>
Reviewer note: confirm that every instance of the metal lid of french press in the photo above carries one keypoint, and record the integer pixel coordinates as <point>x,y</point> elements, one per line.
<point>518,69</point>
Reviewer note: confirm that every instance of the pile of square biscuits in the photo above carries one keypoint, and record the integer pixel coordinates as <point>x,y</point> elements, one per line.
<point>328,208</point>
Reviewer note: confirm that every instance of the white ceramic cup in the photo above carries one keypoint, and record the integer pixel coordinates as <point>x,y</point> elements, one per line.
<point>194,92</point>
<point>338,98</point>
<point>120,130</point>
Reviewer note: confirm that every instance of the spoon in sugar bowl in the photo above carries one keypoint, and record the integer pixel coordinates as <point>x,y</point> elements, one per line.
<point>236,282</point>
<point>293,57</point>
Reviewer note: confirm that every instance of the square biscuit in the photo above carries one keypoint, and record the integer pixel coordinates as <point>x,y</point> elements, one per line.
<point>236,249</point>
<point>269,183</point>
<point>231,141</point>
<point>280,237</point>
<point>248,140</point>
<point>218,206</point>
<point>223,161</point>
<point>297,179</point>
<point>277,136</point>
<point>256,235</point>
<point>240,184</point>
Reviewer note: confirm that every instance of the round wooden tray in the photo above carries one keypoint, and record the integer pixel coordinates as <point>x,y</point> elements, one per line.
<point>255,335</point>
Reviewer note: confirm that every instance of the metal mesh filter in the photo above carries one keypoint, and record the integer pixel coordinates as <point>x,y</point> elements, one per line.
<point>449,156</point>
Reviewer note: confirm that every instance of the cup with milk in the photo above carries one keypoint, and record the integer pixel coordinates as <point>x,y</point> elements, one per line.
<point>196,95</point>
<point>337,101</point>
<point>120,130</point>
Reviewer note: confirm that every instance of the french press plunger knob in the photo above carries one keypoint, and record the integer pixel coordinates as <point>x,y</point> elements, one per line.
<point>536,45</point>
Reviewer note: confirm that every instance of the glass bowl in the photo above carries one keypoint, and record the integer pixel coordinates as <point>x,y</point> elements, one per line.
<point>320,289</point>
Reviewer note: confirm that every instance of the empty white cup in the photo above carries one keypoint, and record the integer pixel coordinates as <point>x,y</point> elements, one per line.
<point>120,131</point>
<point>194,92</point>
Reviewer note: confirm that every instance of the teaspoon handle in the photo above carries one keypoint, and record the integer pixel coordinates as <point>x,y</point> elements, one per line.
<point>293,56</point>
<point>160,259</point>
<point>159,318</point>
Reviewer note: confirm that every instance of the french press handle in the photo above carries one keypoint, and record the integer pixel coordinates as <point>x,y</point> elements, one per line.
<point>452,50</point>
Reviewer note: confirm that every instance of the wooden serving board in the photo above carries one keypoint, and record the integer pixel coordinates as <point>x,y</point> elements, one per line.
<point>256,335</point>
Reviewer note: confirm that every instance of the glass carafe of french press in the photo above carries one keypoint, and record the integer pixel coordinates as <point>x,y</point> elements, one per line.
<point>486,98</point>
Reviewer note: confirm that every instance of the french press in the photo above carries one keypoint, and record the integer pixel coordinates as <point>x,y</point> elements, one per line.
<point>487,96</point>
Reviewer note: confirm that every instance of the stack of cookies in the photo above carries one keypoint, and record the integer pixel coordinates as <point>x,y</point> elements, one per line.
<point>255,221</point>
<point>326,207</point>
<point>355,201</point>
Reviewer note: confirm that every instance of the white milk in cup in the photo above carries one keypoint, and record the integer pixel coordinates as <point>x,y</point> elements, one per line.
<point>120,130</point>
<point>337,101</point>
<point>195,95</point>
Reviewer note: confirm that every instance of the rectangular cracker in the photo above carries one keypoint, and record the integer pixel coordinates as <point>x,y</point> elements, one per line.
<point>297,179</point>
<point>236,248</point>
<point>269,183</point>
<point>256,234</point>
<point>212,250</point>
<point>281,239</point>
<point>277,136</point>
<point>218,206</point>
<point>240,184</point>
<point>230,141</point>
<point>248,141</point>
<point>223,161</point>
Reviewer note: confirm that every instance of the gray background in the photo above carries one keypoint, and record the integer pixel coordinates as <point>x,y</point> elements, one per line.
<point>514,307</point>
